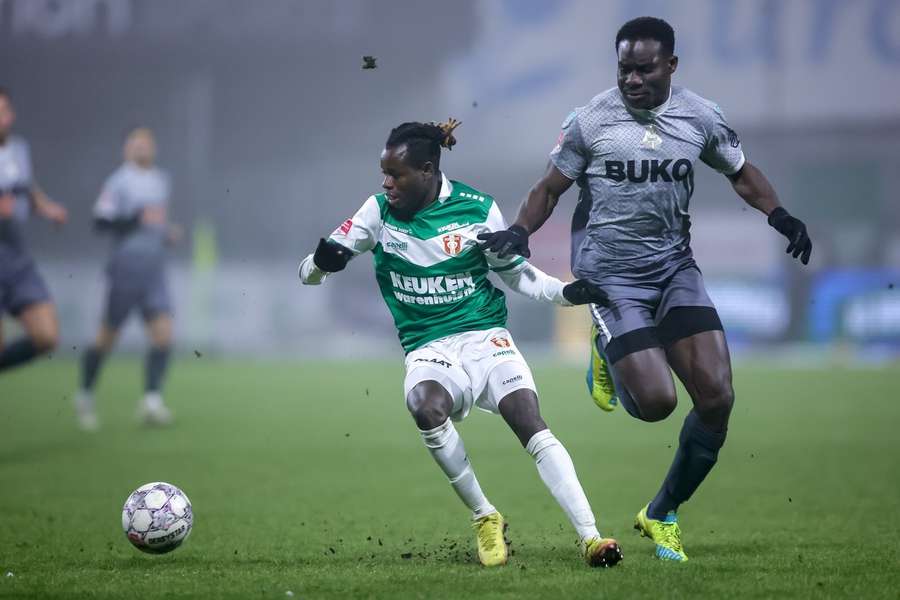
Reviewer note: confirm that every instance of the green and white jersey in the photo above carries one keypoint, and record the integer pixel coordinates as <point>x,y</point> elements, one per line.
<point>431,272</point>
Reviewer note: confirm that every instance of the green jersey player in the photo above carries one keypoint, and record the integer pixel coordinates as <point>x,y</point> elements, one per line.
<point>451,320</point>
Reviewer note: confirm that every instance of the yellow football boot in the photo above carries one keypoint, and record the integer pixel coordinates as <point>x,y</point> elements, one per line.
<point>492,551</point>
<point>666,534</point>
<point>599,380</point>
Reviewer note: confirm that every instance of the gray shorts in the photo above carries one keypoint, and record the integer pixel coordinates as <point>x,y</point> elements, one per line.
<point>654,310</point>
<point>21,285</point>
<point>148,293</point>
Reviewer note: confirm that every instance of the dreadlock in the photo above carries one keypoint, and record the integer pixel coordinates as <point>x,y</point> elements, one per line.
<point>424,140</point>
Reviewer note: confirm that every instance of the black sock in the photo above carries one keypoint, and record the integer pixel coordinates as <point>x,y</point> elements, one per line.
<point>91,361</point>
<point>155,368</point>
<point>20,351</point>
<point>698,450</point>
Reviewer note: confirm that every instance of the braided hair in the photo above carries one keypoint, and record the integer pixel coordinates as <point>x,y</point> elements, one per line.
<point>424,140</point>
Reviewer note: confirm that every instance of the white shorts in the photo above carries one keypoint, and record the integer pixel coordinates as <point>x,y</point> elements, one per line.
<point>476,367</point>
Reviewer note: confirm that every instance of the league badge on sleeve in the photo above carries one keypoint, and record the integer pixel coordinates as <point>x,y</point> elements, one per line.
<point>345,227</point>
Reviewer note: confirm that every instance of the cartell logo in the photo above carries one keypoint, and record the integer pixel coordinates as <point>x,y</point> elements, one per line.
<point>401,246</point>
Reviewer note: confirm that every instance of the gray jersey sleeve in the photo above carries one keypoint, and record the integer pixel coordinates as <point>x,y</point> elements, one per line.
<point>570,155</point>
<point>109,203</point>
<point>16,175</point>
<point>722,151</point>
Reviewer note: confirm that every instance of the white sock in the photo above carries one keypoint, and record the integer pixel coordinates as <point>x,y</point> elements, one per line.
<point>558,473</point>
<point>448,450</point>
<point>153,401</point>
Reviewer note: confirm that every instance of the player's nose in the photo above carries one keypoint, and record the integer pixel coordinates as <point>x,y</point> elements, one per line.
<point>388,183</point>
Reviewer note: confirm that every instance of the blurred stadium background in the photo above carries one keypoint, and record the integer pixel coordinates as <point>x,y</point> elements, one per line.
<point>272,133</point>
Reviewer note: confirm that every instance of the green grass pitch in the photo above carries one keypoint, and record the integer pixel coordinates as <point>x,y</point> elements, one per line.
<point>310,478</point>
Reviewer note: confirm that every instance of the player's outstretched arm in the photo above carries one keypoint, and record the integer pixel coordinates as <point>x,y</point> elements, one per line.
<point>535,210</point>
<point>329,257</point>
<point>47,208</point>
<point>356,235</point>
<point>751,185</point>
<point>530,281</point>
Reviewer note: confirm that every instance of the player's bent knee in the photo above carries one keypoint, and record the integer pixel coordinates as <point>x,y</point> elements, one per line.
<point>658,411</point>
<point>429,404</point>
<point>656,407</point>
<point>716,404</point>
<point>45,340</point>
<point>428,415</point>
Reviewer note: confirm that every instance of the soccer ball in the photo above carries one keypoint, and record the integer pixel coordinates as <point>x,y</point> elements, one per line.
<point>157,517</point>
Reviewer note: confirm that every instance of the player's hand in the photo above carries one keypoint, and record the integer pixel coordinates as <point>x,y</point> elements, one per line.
<point>7,206</point>
<point>582,291</point>
<point>330,256</point>
<point>509,241</point>
<point>794,230</point>
<point>153,215</point>
<point>174,234</point>
<point>55,213</point>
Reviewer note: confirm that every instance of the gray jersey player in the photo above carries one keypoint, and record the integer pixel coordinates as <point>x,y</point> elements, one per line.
<point>632,152</point>
<point>23,292</point>
<point>132,207</point>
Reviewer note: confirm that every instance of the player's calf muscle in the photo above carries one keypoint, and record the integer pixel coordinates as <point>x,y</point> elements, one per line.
<point>522,413</point>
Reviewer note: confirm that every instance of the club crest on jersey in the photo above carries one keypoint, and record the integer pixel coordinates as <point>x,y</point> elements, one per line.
<point>500,342</point>
<point>345,227</point>
<point>452,244</point>
<point>651,138</point>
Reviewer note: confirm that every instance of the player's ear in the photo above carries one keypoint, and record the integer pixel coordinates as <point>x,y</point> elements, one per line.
<point>673,63</point>
<point>428,169</point>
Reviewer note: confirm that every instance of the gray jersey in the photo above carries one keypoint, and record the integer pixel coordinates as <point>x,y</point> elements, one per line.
<point>126,193</point>
<point>635,172</point>
<point>15,179</point>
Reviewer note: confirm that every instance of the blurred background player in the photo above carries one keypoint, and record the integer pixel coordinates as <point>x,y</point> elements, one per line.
<point>23,292</point>
<point>452,323</point>
<point>132,208</point>
<point>632,150</point>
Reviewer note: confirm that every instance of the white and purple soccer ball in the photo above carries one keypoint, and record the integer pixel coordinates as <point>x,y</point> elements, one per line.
<point>157,517</point>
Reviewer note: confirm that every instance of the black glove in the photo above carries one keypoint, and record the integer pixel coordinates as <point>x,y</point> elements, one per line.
<point>509,241</point>
<point>330,256</point>
<point>582,291</point>
<point>794,230</point>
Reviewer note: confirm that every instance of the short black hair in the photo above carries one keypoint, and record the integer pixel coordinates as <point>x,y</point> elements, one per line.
<point>5,93</point>
<point>648,28</point>
<point>423,141</point>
